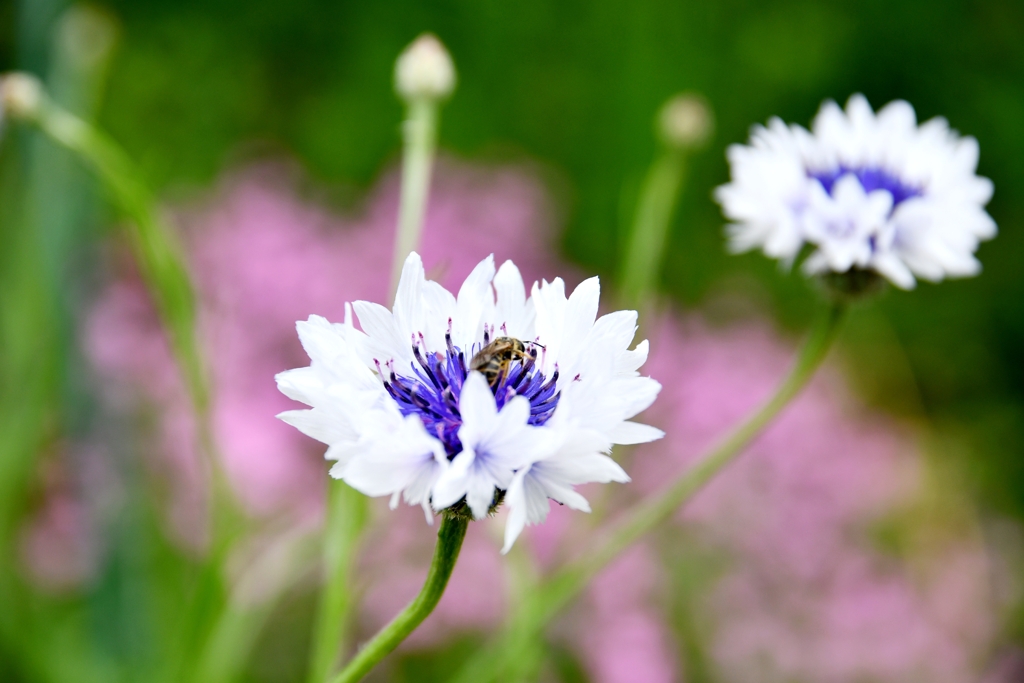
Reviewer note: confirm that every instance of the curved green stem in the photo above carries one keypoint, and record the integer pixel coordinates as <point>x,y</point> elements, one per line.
<point>529,620</point>
<point>159,257</point>
<point>345,519</point>
<point>449,542</point>
<point>658,197</point>
<point>161,262</point>
<point>158,253</point>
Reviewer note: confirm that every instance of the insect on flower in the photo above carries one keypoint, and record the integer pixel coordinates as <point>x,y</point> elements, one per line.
<point>493,361</point>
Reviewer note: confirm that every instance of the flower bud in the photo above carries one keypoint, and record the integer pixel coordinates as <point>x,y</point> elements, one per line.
<point>20,95</point>
<point>87,35</point>
<point>424,71</point>
<point>685,121</point>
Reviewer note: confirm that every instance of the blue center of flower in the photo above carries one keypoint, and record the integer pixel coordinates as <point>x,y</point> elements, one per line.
<point>432,387</point>
<point>871,179</point>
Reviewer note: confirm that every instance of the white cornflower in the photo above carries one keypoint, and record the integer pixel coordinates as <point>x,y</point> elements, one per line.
<point>866,191</point>
<point>404,414</point>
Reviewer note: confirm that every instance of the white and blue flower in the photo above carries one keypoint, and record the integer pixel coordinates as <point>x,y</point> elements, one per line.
<point>403,416</point>
<point>867,191</point>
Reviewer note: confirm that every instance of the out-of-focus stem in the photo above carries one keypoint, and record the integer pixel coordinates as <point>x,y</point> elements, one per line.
<point>495,662</point>
<point>345,521</point>
<point>649,232</point>
<point>160,259</point>
<point>419,136</point>
<point>158,253</point>
<point>446,552</point>
<point>254,595</point>
<point>424,78</point>
<point>684,123</point>
<point>162,265</point>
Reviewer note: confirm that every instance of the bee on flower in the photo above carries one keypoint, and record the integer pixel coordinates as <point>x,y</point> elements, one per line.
<point>864,191</point>
<point>460,403</point>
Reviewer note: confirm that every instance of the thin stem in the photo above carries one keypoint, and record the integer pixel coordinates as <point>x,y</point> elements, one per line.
<point>161,262</point>
<point>658,198</point>
<point>345,521</point>
<point>649,513</point>
<point>419,133</point>
<point>254,596</point>
<point>449,542</point>
<point>156,249</point>
<point>159,257</point>
<point>554,594</point>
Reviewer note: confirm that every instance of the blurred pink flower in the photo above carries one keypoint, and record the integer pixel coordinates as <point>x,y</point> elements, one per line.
<point>623,637</point>
<point>807,596</point>
<point>56,542</point>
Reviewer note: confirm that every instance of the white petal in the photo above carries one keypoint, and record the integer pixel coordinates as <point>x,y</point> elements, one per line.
<point>408,311</point>
<point>581,309</point>
<point>300,384</point>
<point>528,504</point>
<point>515,499</point>
<point>633,433</point>
<point>386,342</point>
<point>474,300</point>
<point>452,484</point>
<point>895,271</point>
<point>477,407</point>
<point>511,308</point>
<point>319,425</point>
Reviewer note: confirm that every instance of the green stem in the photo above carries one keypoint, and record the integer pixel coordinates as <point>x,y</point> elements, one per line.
<point>158,253</point>
<point>650,229</point>
<point>345,521</point>
<point>253,598</point>
<point>554,594</point>
<point>449,542</point>
<point>161,262</point>
<point>419,133</point>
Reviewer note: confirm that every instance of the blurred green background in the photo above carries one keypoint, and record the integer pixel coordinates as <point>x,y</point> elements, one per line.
<point>196,87</point>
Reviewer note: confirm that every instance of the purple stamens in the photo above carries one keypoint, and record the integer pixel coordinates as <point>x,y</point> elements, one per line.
<point>432,386</point>
<point>871,179</point>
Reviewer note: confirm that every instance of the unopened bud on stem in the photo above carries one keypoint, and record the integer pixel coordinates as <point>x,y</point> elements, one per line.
<point>424,71</point>
<point>20,95</point>
<point>685,121</point>
<point>88,35</point>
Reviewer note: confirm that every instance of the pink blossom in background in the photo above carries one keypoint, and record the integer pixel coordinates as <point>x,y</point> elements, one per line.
<point>56,542</point>
<point>53,547</point>
<point>623,636</point>
<point>806,595</point>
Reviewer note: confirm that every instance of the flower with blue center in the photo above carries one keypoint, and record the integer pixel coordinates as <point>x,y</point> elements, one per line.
<point>866,191</point>
<point>405,414</point>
